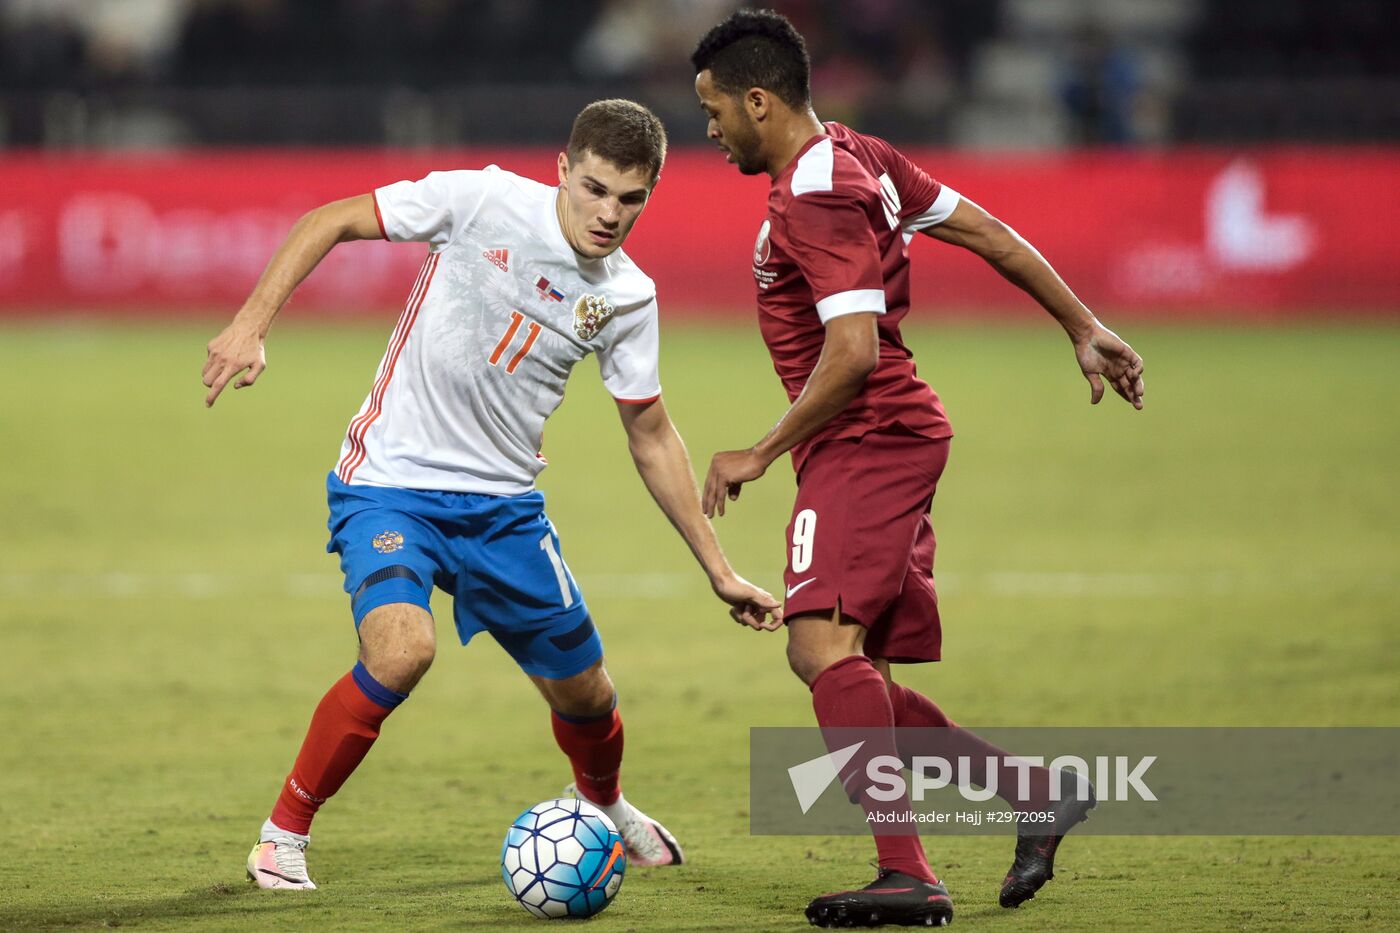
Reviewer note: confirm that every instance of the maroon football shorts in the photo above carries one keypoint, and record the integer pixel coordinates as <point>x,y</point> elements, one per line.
<point>860,538</point>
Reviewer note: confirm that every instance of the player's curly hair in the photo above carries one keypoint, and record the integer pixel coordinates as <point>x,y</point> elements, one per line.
<point>622,132</point>
<point>757,48</point>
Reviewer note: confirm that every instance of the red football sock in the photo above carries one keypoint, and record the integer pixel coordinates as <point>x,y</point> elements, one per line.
<point>594,748</point>
<point>343,728</point>
<point>852,694</point>
<point>914,710</point>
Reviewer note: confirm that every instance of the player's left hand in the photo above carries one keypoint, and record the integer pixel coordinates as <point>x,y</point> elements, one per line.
<point>729,471</point>
<point>1102,354</point>
<point>749,604</point>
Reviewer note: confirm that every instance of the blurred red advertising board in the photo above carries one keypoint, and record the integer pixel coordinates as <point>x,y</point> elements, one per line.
<point>1251,233</point>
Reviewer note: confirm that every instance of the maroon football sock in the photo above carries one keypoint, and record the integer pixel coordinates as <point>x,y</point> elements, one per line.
<point>594,747</point>
<point>913,710</point>
<point>851,694</point>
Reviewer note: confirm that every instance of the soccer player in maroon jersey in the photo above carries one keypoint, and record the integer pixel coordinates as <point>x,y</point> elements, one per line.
<point>868,438</point>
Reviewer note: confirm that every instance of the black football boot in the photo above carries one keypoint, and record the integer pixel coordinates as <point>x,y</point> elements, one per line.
<point>893,899</point>
<point>1035,855</point>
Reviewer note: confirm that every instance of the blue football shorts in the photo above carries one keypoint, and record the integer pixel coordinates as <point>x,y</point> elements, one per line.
<point>498,556</point>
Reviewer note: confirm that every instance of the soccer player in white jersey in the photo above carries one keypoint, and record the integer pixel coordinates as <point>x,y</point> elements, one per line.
<point>435,484</point>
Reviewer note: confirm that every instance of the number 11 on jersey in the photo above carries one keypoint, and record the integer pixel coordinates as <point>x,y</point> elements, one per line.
<point>532,330</point>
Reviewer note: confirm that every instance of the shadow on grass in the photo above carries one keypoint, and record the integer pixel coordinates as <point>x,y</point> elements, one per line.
<point>230,906</point>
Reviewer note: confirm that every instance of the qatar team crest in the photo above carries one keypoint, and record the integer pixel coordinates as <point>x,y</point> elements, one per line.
<point>761,247</point>
<point>590,314</point>
<point>388,542</point>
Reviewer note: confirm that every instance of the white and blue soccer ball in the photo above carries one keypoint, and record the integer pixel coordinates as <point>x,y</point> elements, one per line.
<point>563,858</point>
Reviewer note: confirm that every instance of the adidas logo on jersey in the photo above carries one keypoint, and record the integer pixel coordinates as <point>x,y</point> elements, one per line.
<point>500,258</point>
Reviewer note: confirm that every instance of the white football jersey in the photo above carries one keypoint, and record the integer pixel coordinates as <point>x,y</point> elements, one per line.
<point>502,310</point>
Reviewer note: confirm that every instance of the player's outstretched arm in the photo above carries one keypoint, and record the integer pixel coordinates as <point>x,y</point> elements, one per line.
<point>664,465</point>
<point>850,353</point>
<point>1100,352</point>
<point>239,348</point>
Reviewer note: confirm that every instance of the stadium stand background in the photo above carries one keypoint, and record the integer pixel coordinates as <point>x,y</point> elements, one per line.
<point>968,73</point>
<point>1167,155</point>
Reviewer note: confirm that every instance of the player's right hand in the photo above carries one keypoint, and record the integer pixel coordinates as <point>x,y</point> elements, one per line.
<point>729,471</point>
<point>238,348</point>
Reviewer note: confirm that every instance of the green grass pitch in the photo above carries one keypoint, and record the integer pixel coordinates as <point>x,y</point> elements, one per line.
<point>168,619</point>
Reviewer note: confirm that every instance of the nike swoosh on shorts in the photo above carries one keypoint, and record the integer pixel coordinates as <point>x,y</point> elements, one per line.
<point>797,586</point>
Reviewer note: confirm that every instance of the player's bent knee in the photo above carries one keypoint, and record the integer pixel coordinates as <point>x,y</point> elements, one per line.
<point>399,667</point>
<point>804,663</point>
<point>816,642</point>
<point>589,693</point>
<point>398,644</point>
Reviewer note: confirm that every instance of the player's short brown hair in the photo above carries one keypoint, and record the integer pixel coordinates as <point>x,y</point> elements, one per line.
<point>622,132</point>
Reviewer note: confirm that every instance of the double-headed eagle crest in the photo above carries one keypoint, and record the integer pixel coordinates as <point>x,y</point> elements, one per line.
<point>590,314</point>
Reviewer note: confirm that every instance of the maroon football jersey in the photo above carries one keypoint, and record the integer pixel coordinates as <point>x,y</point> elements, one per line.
<point>840,218</point>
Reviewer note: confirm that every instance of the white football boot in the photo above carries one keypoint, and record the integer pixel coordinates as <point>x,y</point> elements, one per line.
<point>647,842</point>
<point>279,860</point>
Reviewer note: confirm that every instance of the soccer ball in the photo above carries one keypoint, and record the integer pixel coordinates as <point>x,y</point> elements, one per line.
<point>563,858</point>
